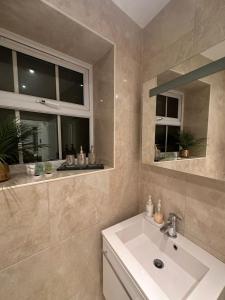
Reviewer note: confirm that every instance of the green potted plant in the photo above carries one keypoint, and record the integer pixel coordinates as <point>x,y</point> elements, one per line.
<point>13,134</point>
<point>186,140</point>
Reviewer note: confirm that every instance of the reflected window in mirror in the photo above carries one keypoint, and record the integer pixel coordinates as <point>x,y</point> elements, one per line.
<point>168,122</point>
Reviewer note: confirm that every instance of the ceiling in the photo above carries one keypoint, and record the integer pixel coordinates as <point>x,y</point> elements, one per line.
<point>141,11</point>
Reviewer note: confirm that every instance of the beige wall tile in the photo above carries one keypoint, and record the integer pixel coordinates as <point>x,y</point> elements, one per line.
<point>69,270</point>
<point>76,266</point>
<point>101,17</point>
<point>76,204</point>
<point>103,73</point>
<point>205,216</point>
<point>24,223</point>
<point>209,23</point>
<point>77,42</point>
<point>174,21</point>
<point>28,279</point>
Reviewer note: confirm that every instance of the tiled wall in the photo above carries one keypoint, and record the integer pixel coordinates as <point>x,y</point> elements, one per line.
<point>182,29</point>
<point>103,74</point>
<point>50,238</point>
<point>50,241</point>
<point>50,235</point>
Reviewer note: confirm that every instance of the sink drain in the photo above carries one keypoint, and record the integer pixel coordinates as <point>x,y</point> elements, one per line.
<point>158,263</point>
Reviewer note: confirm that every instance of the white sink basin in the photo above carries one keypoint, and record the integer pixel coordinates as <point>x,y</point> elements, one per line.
<point>188,271</point>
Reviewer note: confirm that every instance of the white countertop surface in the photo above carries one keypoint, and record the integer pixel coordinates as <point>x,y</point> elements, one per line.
<point>208,288</point>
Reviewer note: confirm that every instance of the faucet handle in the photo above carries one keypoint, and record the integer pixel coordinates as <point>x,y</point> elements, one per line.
<point>174,216</point>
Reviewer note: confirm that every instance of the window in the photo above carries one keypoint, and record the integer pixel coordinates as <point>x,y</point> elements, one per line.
<point>75,132</point>
<point>168,121</point>
<point>71,86</point>
<point>6,70</point>
<point>51,94</point>
<point>44,140</point>
<point>36,77</point>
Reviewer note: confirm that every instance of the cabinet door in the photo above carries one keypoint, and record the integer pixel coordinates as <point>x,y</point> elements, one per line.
<point>112,287</point>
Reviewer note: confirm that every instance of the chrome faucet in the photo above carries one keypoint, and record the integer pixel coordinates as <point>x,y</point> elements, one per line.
<point>170,227</point>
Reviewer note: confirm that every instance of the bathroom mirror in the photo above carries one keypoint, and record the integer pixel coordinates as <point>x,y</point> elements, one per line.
<point>184,116</point>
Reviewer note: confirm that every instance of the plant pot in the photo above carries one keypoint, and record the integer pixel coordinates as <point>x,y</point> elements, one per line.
<point>4,172</point>
<point>184,153</point>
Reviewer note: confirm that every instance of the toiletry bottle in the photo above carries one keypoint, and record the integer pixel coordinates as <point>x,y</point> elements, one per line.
<point>81,157</point>
<point>157,153</point>
<point>158,216</point>
<point>149,207</point>
<point>70,160</point>
<point>91,156</point>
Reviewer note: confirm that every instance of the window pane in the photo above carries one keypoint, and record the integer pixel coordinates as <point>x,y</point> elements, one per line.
<point>161,105</point>
<point>172,107</point>
<point>160,137</point>
<point>71,86</point>
<point>172,138</point>
<point>36,77</point>
<point>75,133</point>
<point>6,70</point>
<point>6,116</point>
<point>42,145</point>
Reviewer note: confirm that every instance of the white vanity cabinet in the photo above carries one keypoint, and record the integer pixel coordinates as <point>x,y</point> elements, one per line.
<point>112,287</point>
<point>117,283</point>
<point>130,251</point>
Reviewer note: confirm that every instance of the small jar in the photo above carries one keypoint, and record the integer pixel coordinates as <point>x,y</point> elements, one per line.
<point>39,169</point>
<point>48,167</point>
<point>70,159</point>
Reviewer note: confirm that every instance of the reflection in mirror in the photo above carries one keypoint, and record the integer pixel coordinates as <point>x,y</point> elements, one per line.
<point>187,104</point>
<point>182,120</point>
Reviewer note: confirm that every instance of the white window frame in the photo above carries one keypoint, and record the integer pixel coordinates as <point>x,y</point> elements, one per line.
<point>160,120</point>
<point>166,121</point>
<point>22,102</point>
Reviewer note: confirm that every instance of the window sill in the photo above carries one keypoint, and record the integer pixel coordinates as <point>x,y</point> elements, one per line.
<point>22,179</point>
<point>180,159</point>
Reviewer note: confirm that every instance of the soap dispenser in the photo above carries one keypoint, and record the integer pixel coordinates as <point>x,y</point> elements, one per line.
<point>149,207</point>
<point>158,216</point>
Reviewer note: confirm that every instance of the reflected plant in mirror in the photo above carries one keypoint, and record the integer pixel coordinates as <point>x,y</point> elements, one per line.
<point>187,141</point>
